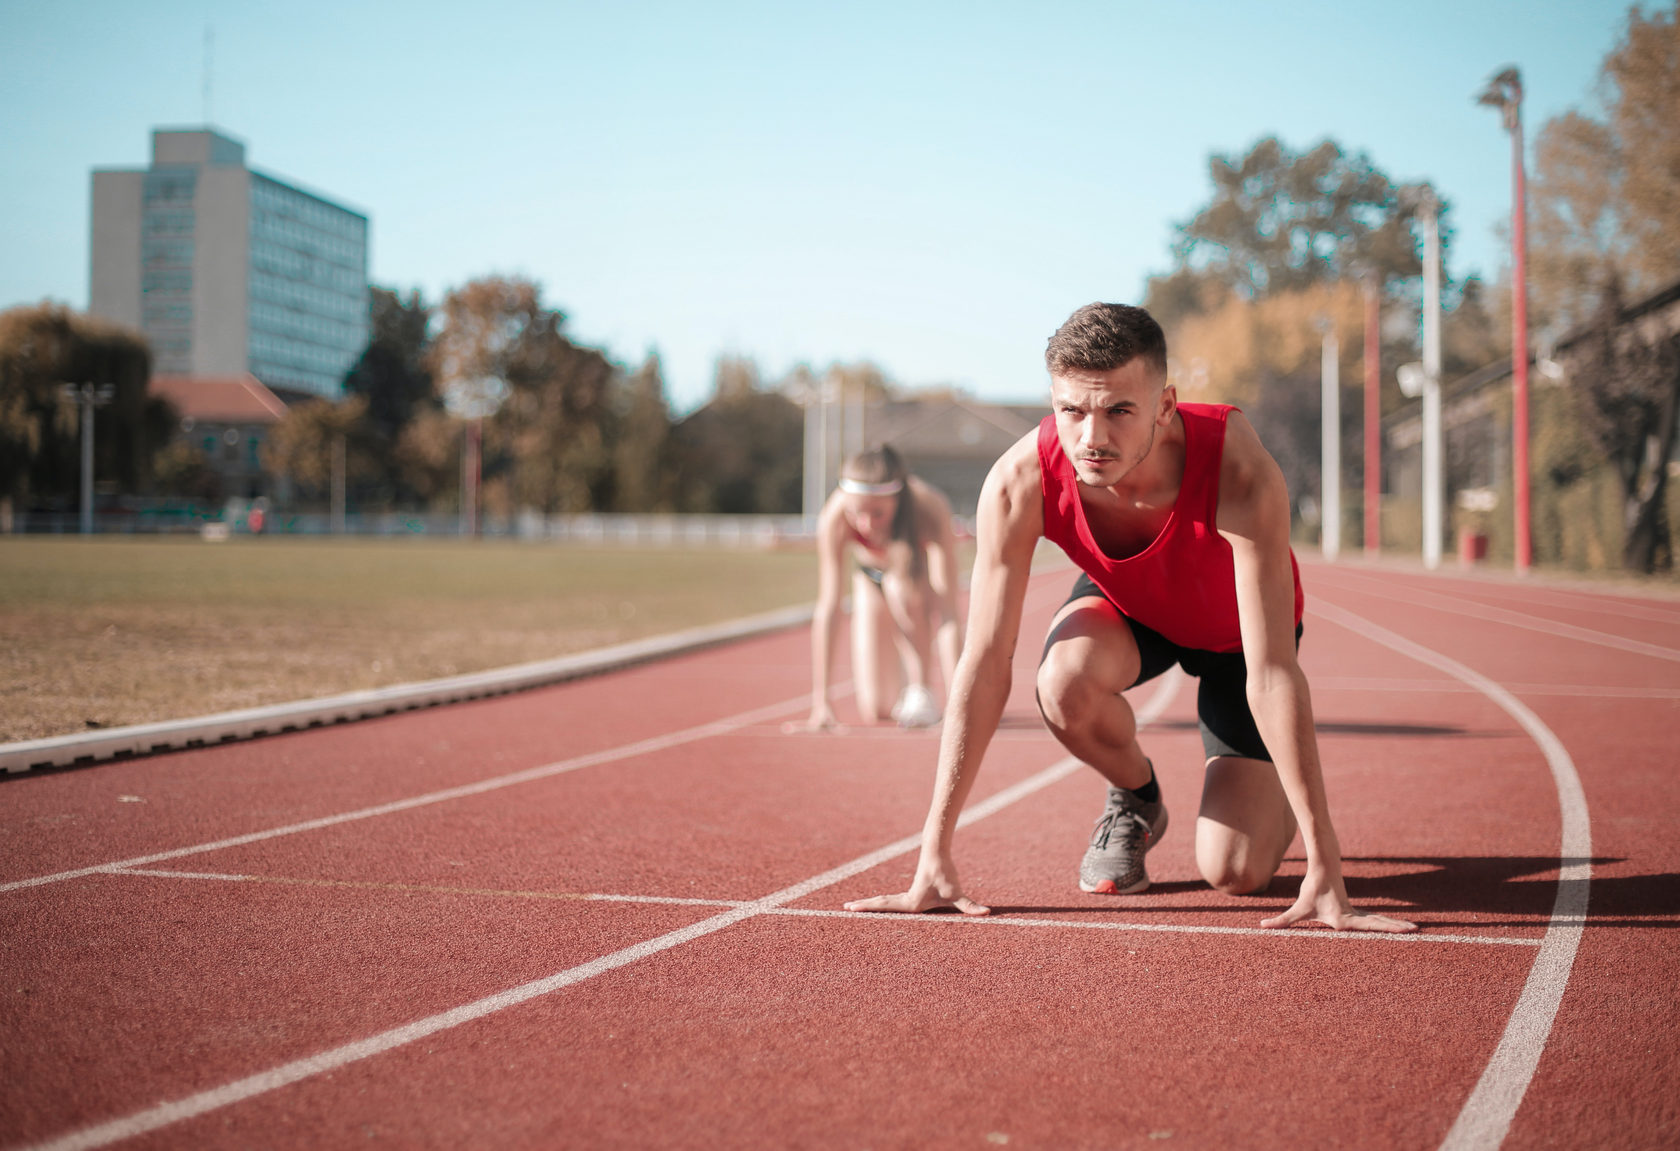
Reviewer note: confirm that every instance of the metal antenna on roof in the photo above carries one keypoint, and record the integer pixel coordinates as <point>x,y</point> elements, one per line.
<point>209,51</point>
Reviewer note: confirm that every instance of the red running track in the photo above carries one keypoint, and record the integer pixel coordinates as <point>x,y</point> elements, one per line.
<point>606,914</point>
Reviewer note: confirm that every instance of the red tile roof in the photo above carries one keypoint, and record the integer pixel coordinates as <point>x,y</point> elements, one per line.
<point>220,399</point>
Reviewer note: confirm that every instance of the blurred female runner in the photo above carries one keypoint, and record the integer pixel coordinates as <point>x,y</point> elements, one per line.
<point>898,531</point>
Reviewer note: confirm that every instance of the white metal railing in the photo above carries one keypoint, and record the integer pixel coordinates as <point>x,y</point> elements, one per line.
<point>733,531</point>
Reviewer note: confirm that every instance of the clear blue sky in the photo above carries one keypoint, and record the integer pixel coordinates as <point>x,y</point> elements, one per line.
<point>932,186</point>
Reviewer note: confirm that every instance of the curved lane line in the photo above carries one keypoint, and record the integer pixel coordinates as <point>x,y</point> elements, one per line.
<point>1494,614</point>
<point>178,1110</point>
<point>1487,1114</point>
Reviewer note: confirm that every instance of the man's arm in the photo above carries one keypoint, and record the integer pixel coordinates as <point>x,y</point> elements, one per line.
<point>1254,519</point>
<point>1008,525</point>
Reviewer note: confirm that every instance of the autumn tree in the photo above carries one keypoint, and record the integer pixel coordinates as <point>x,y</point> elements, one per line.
<point>1626,376</point>
<point>43,347</point>
<point>1283,246</point>
<point>545,402</point>
<point>303,445</point>
<point>1606,228</point>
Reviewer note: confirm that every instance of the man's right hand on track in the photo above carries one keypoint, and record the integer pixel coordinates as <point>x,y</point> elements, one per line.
<point>934,887</point>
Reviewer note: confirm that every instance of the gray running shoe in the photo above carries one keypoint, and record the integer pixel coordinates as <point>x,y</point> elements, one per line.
<point>1113,864</point>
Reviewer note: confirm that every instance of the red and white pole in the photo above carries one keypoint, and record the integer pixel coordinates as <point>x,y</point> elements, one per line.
<point>1373,416</point>
<point>1505,92</point>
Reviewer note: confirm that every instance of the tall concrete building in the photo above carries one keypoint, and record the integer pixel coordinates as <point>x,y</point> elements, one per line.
<point>228,270</point>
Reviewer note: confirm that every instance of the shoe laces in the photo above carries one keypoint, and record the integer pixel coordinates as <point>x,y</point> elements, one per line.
<point>1132,828</point>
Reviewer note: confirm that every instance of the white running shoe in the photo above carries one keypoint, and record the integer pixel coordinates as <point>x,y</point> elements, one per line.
<point>916,708</point>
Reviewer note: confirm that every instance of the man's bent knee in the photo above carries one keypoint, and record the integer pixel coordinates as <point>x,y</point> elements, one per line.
<point>1067,699</point>
<point>1231,878</point>
<point>1233,863</point>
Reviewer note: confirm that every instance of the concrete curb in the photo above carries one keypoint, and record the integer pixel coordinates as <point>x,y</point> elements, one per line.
<point>248,723</point>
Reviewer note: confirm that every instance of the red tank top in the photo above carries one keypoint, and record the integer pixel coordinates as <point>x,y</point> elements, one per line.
<point>1183,584</point>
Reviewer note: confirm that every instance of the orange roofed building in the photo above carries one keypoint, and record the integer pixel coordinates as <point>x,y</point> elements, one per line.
<point>228,418</point>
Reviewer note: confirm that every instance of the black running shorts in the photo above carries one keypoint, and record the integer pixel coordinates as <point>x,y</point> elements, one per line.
<point>1222,712</point>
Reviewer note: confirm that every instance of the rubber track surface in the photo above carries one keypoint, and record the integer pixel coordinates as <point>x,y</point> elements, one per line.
<point>606,914</point>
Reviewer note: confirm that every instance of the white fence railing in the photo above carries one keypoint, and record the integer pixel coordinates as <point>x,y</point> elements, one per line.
<point>735,531</point>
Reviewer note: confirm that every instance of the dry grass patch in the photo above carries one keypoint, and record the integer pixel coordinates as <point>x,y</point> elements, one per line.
<point>108,632</point>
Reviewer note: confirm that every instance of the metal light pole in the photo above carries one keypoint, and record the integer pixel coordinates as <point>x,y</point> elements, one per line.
<point>851,442</point>
<point>1505,92</point>
<point>1432,477</point>
<point>89,397</point>
<point>1330,436</point>
<point>1373,415</point>
<point>825,434</point>
<point>338,485</point>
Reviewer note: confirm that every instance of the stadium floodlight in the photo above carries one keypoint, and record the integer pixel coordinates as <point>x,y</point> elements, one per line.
<point>1411,380</point>
<point>1504,91</point>
<point>88,397</point>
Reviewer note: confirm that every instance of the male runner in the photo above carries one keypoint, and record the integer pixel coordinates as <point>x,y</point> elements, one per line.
<point>1180,521</point>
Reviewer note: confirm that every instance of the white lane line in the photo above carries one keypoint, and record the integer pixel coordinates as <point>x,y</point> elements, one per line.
<point>1490,613</point>
<point>1593,600</point>
<point>1436,686</point>
<point>1581,601</point>
<point>529,775</point>
<point>1323,934</point>
<point>678,900</point>
<point>1487,1114</point>
<point>218,875</point>
<point>428,889</point>
<point>176,1111</point>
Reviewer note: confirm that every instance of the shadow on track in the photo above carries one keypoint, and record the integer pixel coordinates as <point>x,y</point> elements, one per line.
<point>1353,727</point>
<point>1469,891</point>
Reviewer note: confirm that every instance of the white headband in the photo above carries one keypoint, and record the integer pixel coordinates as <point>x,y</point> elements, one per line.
<point>859,488</point>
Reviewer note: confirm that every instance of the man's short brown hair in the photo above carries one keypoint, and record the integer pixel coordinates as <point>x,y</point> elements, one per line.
<point>1102,337</point>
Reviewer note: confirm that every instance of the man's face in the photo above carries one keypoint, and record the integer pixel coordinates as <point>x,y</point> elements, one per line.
<point>1107,421</point>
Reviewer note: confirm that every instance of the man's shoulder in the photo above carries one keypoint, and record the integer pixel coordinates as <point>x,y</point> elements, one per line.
<point>1248,475</point>
<point>1243,456</point>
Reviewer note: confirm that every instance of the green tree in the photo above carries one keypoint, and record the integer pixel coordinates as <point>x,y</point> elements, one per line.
<point>41,348</point>
<point>183,469</point>
<point>1628,389</point>
<point>1283,221</point>
<point>643,432</point>
<point>394,378</point>
<point>1284,243</point>
<point>743,451</point>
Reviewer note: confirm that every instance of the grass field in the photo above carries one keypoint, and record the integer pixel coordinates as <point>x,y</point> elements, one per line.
<point>113,631</point>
